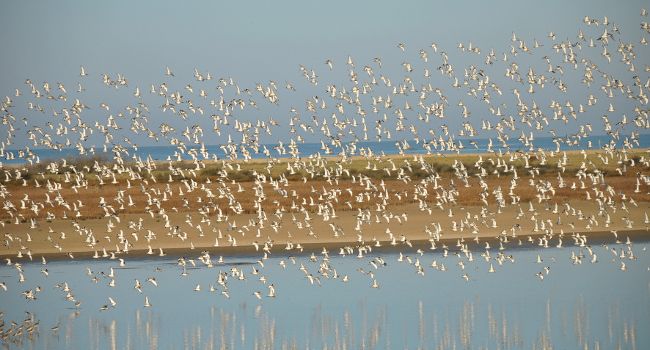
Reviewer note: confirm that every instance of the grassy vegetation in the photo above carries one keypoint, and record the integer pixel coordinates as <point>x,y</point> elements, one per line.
<point>48,167</point>
<point>95,168</point>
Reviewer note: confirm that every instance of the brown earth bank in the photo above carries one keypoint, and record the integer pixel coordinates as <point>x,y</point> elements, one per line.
<point>57,209</point>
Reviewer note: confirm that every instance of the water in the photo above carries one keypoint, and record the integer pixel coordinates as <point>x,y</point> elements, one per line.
<point>161,153</point>
<point>586,306</point>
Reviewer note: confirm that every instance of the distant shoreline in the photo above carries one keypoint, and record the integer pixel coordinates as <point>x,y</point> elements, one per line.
<point>450,154</point>
<point>307,149</point>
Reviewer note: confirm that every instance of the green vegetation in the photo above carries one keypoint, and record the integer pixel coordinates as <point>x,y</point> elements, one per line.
<point>92,169</point>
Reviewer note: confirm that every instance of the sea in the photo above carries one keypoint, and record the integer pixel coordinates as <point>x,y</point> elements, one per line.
<point>307,149</point>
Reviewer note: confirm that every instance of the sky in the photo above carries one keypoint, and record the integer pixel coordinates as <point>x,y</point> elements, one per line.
<point>50,40</point>
<point>261,41</point>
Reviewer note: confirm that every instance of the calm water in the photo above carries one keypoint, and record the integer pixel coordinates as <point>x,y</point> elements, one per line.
<point>586,306</point>
<point>161,153</point>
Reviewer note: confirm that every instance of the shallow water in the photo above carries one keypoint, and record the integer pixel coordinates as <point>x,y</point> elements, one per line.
<point>587,305</point>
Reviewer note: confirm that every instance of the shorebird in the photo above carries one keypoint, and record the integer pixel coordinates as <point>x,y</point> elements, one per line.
<point>195,197</point>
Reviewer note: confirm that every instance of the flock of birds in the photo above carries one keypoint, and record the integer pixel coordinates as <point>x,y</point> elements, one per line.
<point>414,108</point>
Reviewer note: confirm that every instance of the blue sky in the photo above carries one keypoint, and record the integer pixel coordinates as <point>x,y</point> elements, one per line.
<point>51,39</point>
<point>261,41</point>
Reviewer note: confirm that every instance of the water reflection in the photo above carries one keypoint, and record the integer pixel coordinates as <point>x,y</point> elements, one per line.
<point>575,307</point>
<point>370,330</point>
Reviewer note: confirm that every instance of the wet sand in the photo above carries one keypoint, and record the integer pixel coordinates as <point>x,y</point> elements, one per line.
<point>240,235</point>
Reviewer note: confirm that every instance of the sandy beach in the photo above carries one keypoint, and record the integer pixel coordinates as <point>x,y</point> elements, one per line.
<point>106,216</point>
<point>236,234</point>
